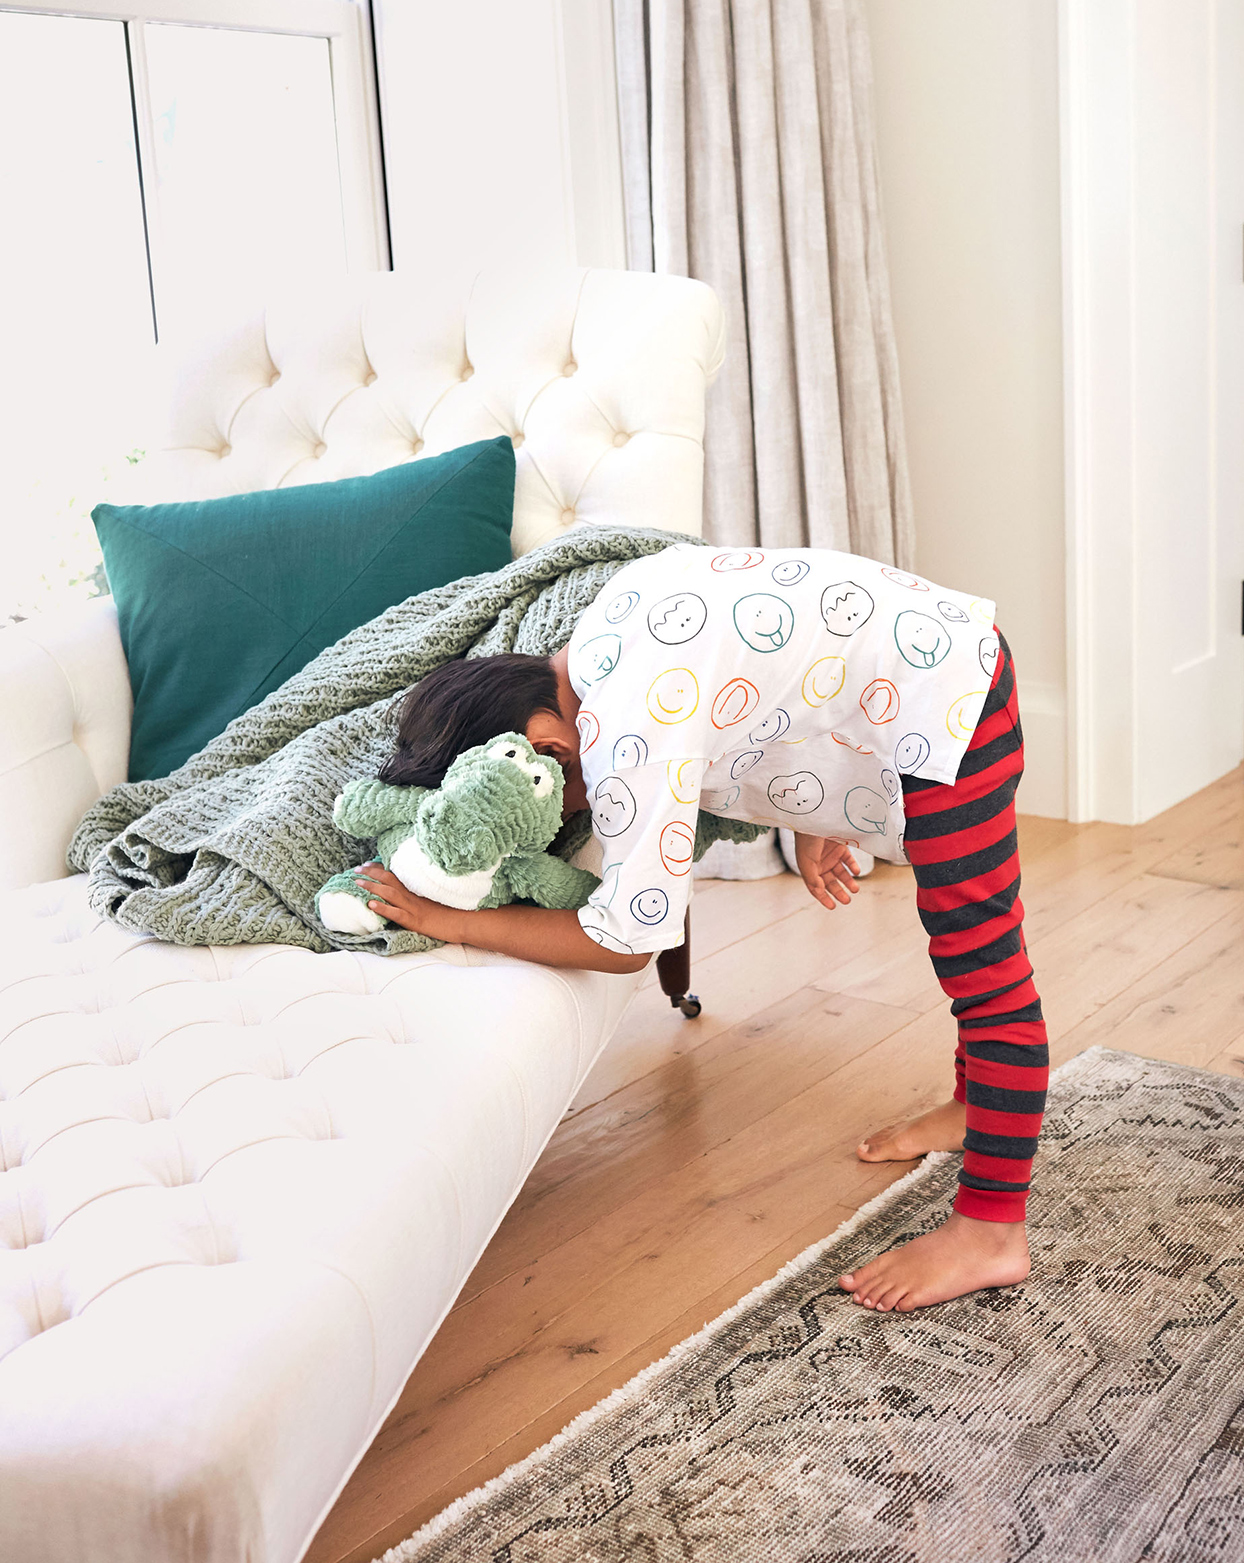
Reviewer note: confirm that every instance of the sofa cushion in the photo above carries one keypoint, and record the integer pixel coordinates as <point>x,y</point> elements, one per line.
<point>221,600</point>
<point>239,1189</point>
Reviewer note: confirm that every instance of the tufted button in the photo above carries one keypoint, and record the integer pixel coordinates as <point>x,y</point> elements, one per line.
<point>416,445</point>
<point>567,516</point>
<point>319,450</point>
<point>571,366</point>
<point>274,377</point>
<point>468,371</point>
<point>620,438</point>
<point>224,451</point>
<point>516,439</point>
<point>370,377</point>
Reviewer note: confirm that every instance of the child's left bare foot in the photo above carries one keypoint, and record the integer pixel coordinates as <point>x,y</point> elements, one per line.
<point>962,1256</point>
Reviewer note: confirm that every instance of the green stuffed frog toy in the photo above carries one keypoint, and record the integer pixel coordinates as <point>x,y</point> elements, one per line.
<point>480,839</point>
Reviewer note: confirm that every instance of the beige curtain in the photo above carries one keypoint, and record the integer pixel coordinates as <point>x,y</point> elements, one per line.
<point>748,161</point>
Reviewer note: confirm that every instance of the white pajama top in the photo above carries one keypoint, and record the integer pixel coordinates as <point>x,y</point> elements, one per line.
<point>787,686</point>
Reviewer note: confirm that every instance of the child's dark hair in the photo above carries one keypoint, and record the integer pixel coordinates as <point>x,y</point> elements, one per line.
<point>463,704</point>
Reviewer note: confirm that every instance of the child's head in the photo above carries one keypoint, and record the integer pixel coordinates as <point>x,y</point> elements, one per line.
<point>462,704</point>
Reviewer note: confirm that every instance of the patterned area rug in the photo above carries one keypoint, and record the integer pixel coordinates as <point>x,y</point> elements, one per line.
<point>1093,1415</point>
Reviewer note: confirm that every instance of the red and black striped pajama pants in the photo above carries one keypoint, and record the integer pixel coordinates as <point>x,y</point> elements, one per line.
<point>962,845</point>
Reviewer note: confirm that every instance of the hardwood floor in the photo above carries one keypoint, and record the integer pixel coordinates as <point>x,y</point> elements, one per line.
<point>701,1155</point>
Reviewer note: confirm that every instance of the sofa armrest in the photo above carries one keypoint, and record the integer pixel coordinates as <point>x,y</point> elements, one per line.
<point>64,733</point>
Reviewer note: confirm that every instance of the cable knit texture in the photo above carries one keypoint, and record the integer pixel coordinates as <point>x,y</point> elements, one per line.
<point>232,846</point>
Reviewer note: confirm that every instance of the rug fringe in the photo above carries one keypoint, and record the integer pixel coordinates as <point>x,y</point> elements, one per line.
<point>405,1551</point>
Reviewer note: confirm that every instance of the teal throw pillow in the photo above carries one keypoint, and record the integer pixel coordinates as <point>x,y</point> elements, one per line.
<point>221,600</point>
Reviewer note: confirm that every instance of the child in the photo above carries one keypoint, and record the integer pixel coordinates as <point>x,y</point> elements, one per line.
<point>854,702</point>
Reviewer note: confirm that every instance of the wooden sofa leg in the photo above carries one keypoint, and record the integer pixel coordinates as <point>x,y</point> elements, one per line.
<point>674,974</point>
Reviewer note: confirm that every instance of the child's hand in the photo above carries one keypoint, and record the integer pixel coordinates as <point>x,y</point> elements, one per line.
<point>827,868</point>
<point>390,898</point>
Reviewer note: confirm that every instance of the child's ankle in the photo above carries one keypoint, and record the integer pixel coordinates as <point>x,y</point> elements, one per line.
<point>998,1233</point>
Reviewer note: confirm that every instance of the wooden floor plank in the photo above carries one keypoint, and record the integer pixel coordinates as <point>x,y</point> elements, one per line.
<point>702,1155</point>
<point>661,1122</point>
<point>1215,862</point>
<point>1101,942</point>
<point>1108,950</point>
<point>741,980</point>
<point>1188,1008</point>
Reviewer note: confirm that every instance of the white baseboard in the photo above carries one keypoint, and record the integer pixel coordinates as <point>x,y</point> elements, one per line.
<point>1043,712</point>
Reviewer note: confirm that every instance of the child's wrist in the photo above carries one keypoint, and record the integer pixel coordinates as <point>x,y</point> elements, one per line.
<point>457,926</point>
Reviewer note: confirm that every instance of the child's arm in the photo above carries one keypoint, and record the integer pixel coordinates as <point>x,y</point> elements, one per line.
<point>529,932</point>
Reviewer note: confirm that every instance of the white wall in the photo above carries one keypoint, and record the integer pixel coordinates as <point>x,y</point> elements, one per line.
<point>967,104</point>
<point>501,139</point>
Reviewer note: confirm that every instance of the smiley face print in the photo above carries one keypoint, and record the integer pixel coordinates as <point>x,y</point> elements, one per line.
<point>880,701</point>
<point>613,807</point>
<point>921,640</point>
<point>801,793</point>
<point>823,680</point>
<point>629,751</point>
<point>716,799</point>
<point>891,784</point>
<point>678,618</point>
<point>911,753</point>
<point>597,658</point>
<point>676,847</point>
<point>737,559</point>
<point>904,578</point>
<point>850,743</point>
<point>673,696</point>
<point>764,622</point>
<point>964,714</point>
<point>734,702</point>
<point>606,940</point>
<point>952,613</point>
<point>790,572</point>
<point>684,777</point>
<point>650,907</point>
<point>744,762</point>
<point>987,652</point>
<point>605,891</point>
<point>622,607</point>
<point>776,725</point>
<point>866,810</point>
<point>589,730</point>
<point>845,606</point>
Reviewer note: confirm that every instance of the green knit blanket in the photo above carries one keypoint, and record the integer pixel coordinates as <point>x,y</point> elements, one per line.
<point>232,847</point>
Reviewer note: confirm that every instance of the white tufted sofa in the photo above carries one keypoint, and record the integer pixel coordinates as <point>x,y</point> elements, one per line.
<point>240,1187</point>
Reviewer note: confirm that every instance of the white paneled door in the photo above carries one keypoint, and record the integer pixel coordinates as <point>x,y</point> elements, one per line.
<point>1153,121</point>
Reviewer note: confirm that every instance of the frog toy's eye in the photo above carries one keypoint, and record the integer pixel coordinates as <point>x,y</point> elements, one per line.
<point>504,751</point>
<point>538,778</point>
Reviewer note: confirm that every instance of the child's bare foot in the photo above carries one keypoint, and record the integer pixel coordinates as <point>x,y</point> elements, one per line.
<point>942,1129</point>
<point>962,1256</point>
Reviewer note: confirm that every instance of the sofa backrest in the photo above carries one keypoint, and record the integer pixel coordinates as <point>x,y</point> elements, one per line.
<point>599,378</point>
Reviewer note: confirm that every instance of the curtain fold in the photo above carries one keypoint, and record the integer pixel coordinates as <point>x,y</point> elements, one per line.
<point>748,161</point>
